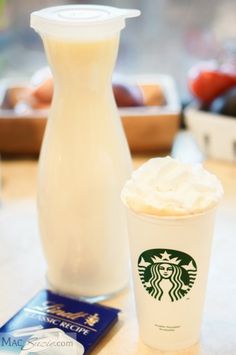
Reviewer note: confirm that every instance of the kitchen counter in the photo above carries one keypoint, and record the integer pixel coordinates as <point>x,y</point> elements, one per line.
<point>22,266</point>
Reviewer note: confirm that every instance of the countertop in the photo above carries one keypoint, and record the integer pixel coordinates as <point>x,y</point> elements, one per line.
<point>22,266</point>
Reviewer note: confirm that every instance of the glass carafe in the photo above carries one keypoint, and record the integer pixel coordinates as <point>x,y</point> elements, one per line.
<point>84,159</point>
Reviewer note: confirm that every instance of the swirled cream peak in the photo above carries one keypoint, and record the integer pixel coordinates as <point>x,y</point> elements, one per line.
<point>165,186</point>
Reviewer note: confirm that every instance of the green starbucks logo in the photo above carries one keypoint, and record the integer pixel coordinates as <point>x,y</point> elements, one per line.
<point>167,274</point>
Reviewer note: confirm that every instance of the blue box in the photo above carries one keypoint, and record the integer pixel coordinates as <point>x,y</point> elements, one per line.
<point>52,324</point>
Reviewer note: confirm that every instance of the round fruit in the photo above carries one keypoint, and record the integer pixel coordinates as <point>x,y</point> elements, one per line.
<point>208,80</point>
<point>44,91</point>
<point>225,104</point>
<point>127,95</point>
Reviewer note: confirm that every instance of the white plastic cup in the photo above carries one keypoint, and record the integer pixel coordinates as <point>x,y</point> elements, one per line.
<point>170,260</point>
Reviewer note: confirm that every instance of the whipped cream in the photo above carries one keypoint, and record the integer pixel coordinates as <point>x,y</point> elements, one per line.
<point>168,187</point>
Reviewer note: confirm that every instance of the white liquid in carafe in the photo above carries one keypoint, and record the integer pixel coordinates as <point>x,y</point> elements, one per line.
<point>84,163</point>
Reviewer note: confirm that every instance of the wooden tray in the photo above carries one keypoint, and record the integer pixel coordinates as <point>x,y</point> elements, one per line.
<point>148,128</point>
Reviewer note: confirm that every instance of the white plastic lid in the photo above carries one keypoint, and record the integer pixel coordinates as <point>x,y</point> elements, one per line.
<point>80,21</point>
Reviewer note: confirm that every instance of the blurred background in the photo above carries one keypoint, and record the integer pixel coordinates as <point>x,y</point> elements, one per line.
<point>169,37</point>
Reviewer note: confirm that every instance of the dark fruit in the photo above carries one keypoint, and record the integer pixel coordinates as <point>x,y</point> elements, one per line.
<point>225,104</point>
<point>127,95</point>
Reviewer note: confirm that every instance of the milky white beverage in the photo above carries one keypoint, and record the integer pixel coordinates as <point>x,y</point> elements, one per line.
<point>171,208</point>
<point>84,160</point>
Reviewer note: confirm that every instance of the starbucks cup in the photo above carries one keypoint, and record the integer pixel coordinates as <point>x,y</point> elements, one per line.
<point>170,259</point>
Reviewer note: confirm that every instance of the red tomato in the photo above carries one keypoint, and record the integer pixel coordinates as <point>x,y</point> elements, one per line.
<point>207,81</point>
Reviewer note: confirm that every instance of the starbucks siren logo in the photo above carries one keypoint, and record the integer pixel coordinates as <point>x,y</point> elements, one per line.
<point>167,274</point>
